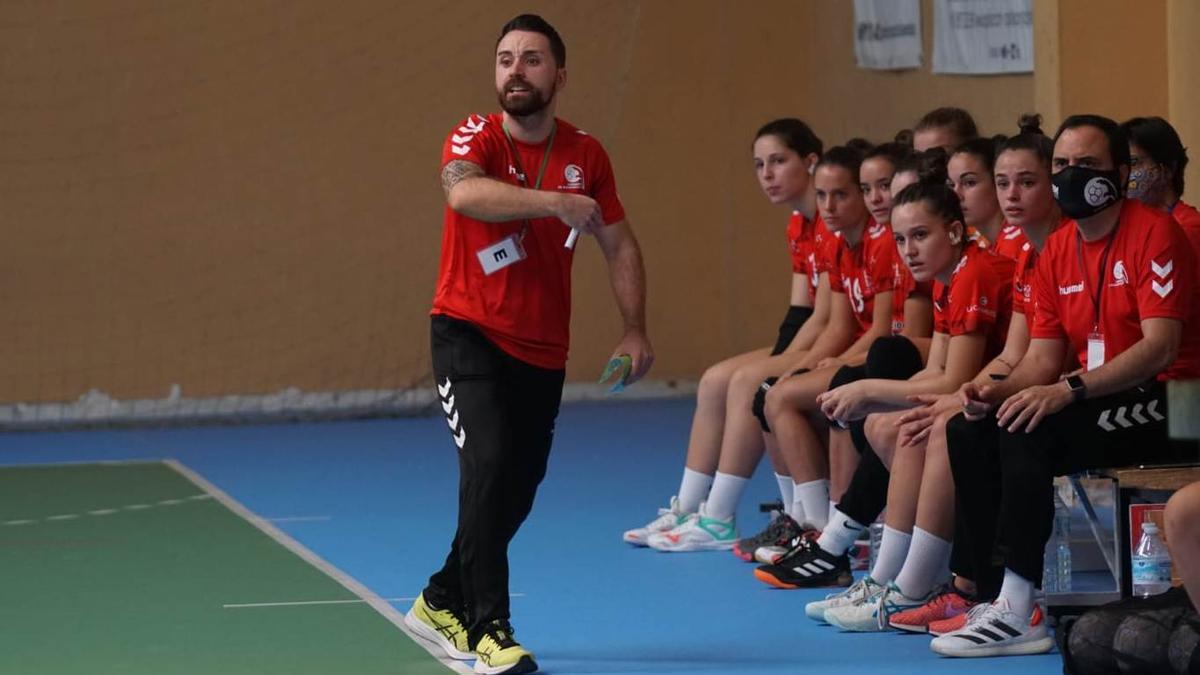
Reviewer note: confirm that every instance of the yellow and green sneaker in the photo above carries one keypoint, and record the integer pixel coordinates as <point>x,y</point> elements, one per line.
<point>443,627</point>
<point>498,652</point>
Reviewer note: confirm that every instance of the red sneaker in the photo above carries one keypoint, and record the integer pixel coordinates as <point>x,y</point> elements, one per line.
<point>949,604</point>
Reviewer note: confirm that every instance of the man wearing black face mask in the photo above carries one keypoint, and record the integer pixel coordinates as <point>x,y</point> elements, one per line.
<point>1113,286</point>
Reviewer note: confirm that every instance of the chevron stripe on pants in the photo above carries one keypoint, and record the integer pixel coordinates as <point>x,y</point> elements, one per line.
<point>1004,482</point>
<point>501,412</point>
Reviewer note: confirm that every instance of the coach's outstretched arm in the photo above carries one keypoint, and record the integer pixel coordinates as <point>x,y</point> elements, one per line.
<point>471,192</point>
<point>628,277</point>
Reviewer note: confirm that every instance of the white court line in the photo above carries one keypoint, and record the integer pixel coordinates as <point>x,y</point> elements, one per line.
<point>300,519</point>
<point>300,603</point>
<point>65,516</point>
<point>353,585</point>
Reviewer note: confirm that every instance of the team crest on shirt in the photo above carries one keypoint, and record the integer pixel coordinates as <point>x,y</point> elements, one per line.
<point>573,175</point>
<point>1120,276</point>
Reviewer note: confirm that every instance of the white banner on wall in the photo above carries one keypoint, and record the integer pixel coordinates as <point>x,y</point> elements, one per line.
<point>887,34</point>
<point>982,37</point>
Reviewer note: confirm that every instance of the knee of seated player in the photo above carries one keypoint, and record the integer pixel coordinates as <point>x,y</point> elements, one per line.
<point>744,382</point>
<point>715,381</point>
<point>880,430</point>
<point>1182,516</point>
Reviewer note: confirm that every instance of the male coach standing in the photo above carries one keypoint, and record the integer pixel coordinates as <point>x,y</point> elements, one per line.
<point>518,185</point>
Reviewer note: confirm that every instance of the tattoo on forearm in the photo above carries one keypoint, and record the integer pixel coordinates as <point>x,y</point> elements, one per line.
<point>456,171</point>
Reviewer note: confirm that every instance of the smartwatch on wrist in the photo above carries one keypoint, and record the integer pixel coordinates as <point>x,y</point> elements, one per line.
<point>1077,387</point>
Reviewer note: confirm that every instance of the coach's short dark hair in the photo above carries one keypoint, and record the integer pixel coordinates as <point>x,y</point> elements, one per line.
<point>1118,142</point>
<point>536,24</point>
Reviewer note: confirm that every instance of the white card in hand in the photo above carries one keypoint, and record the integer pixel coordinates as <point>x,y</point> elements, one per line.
<point>507,251</point>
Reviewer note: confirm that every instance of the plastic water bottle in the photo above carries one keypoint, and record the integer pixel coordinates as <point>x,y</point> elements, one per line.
<point>1056,570</point>
<point>1151,563</point>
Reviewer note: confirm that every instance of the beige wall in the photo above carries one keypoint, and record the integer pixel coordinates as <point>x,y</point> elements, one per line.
<point>1183,80</point>
<point>239,197</point>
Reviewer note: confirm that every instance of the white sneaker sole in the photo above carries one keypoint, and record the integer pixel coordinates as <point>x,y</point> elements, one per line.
<point>428,634</point>
<point>691,546</point>
<point>1038,646</point>
<point>816,613</point>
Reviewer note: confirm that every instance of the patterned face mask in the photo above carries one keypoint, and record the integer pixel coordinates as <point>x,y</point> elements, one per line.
<point>1147,184</point>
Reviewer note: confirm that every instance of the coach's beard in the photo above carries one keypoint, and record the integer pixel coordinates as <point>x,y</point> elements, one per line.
<point>535,102</point>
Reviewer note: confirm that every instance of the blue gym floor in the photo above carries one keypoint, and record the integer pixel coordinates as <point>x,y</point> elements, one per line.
<point>377,500</point>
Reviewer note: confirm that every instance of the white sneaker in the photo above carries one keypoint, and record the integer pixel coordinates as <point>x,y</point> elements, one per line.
<point>697,532</point>
<point>856,594</point>
<point>668,519</point>
<point>873,614</point>
<point>997,631</point>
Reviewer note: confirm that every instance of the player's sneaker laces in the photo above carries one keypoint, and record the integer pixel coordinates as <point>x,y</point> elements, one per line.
<point>498,652</point>
<point>872,614</point>
<point>947,603</point>
<point>779,531</point>
<point>857,593</point>
<point>996,631</point>
<point>698,532</point>
<point>443,627</point>
<point>807,565</point>
<point>668,519</point>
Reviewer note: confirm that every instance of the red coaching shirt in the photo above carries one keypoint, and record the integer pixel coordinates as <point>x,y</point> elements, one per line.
<point>810,245</point>
<point>862,272</point>
<point>525,308</point>
<point>1189,219</point>
<point>1149,273</point>
<point>978,298</point>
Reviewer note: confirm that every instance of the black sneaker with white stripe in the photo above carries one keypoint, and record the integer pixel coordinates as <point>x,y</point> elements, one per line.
<point>997,631</point>
<point>807,565</point>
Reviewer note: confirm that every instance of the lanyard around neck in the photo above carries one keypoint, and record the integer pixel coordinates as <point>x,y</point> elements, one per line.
<point>1098,296</point>
<point>545,157</point>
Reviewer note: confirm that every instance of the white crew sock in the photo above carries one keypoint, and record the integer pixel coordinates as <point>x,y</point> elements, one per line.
<point>893,547</point>
<point>839,534</point>
<point>693,490</point>
<point>1018,591</point>
<point>813,497</point>
<point>724,497</point>
<point>925,565</point>
<point>832,509</point>
<point>785,493</point>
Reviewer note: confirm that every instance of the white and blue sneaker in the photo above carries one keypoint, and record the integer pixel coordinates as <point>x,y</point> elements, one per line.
<point>873,613</point>
<point>698,532</point>
<point>996,631</point>
<point>856,594</point>
<point>667,520</point>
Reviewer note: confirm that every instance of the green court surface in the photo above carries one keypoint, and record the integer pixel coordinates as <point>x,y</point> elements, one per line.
<point>128,568</point>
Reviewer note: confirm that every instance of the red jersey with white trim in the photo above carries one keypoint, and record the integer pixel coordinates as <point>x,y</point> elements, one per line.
<point>1150,273</point>
<point>1009,242</point>
<point>862,272</point>
<point>524,308</point>
<point>810,245</point>
<point>978,298</point>
<point>1024,276</point>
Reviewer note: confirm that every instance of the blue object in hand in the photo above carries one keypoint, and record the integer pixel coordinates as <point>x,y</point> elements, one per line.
<point>622,364</point>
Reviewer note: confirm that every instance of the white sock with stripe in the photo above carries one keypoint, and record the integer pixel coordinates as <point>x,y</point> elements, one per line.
<point>839,534</point>
<point>813,497</point>
<point>1018,591</point>
<point>693,490</point>
<point>893,548</point>
<point>785,493</point>
<point>724,496</point>
<point>925,564</point>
